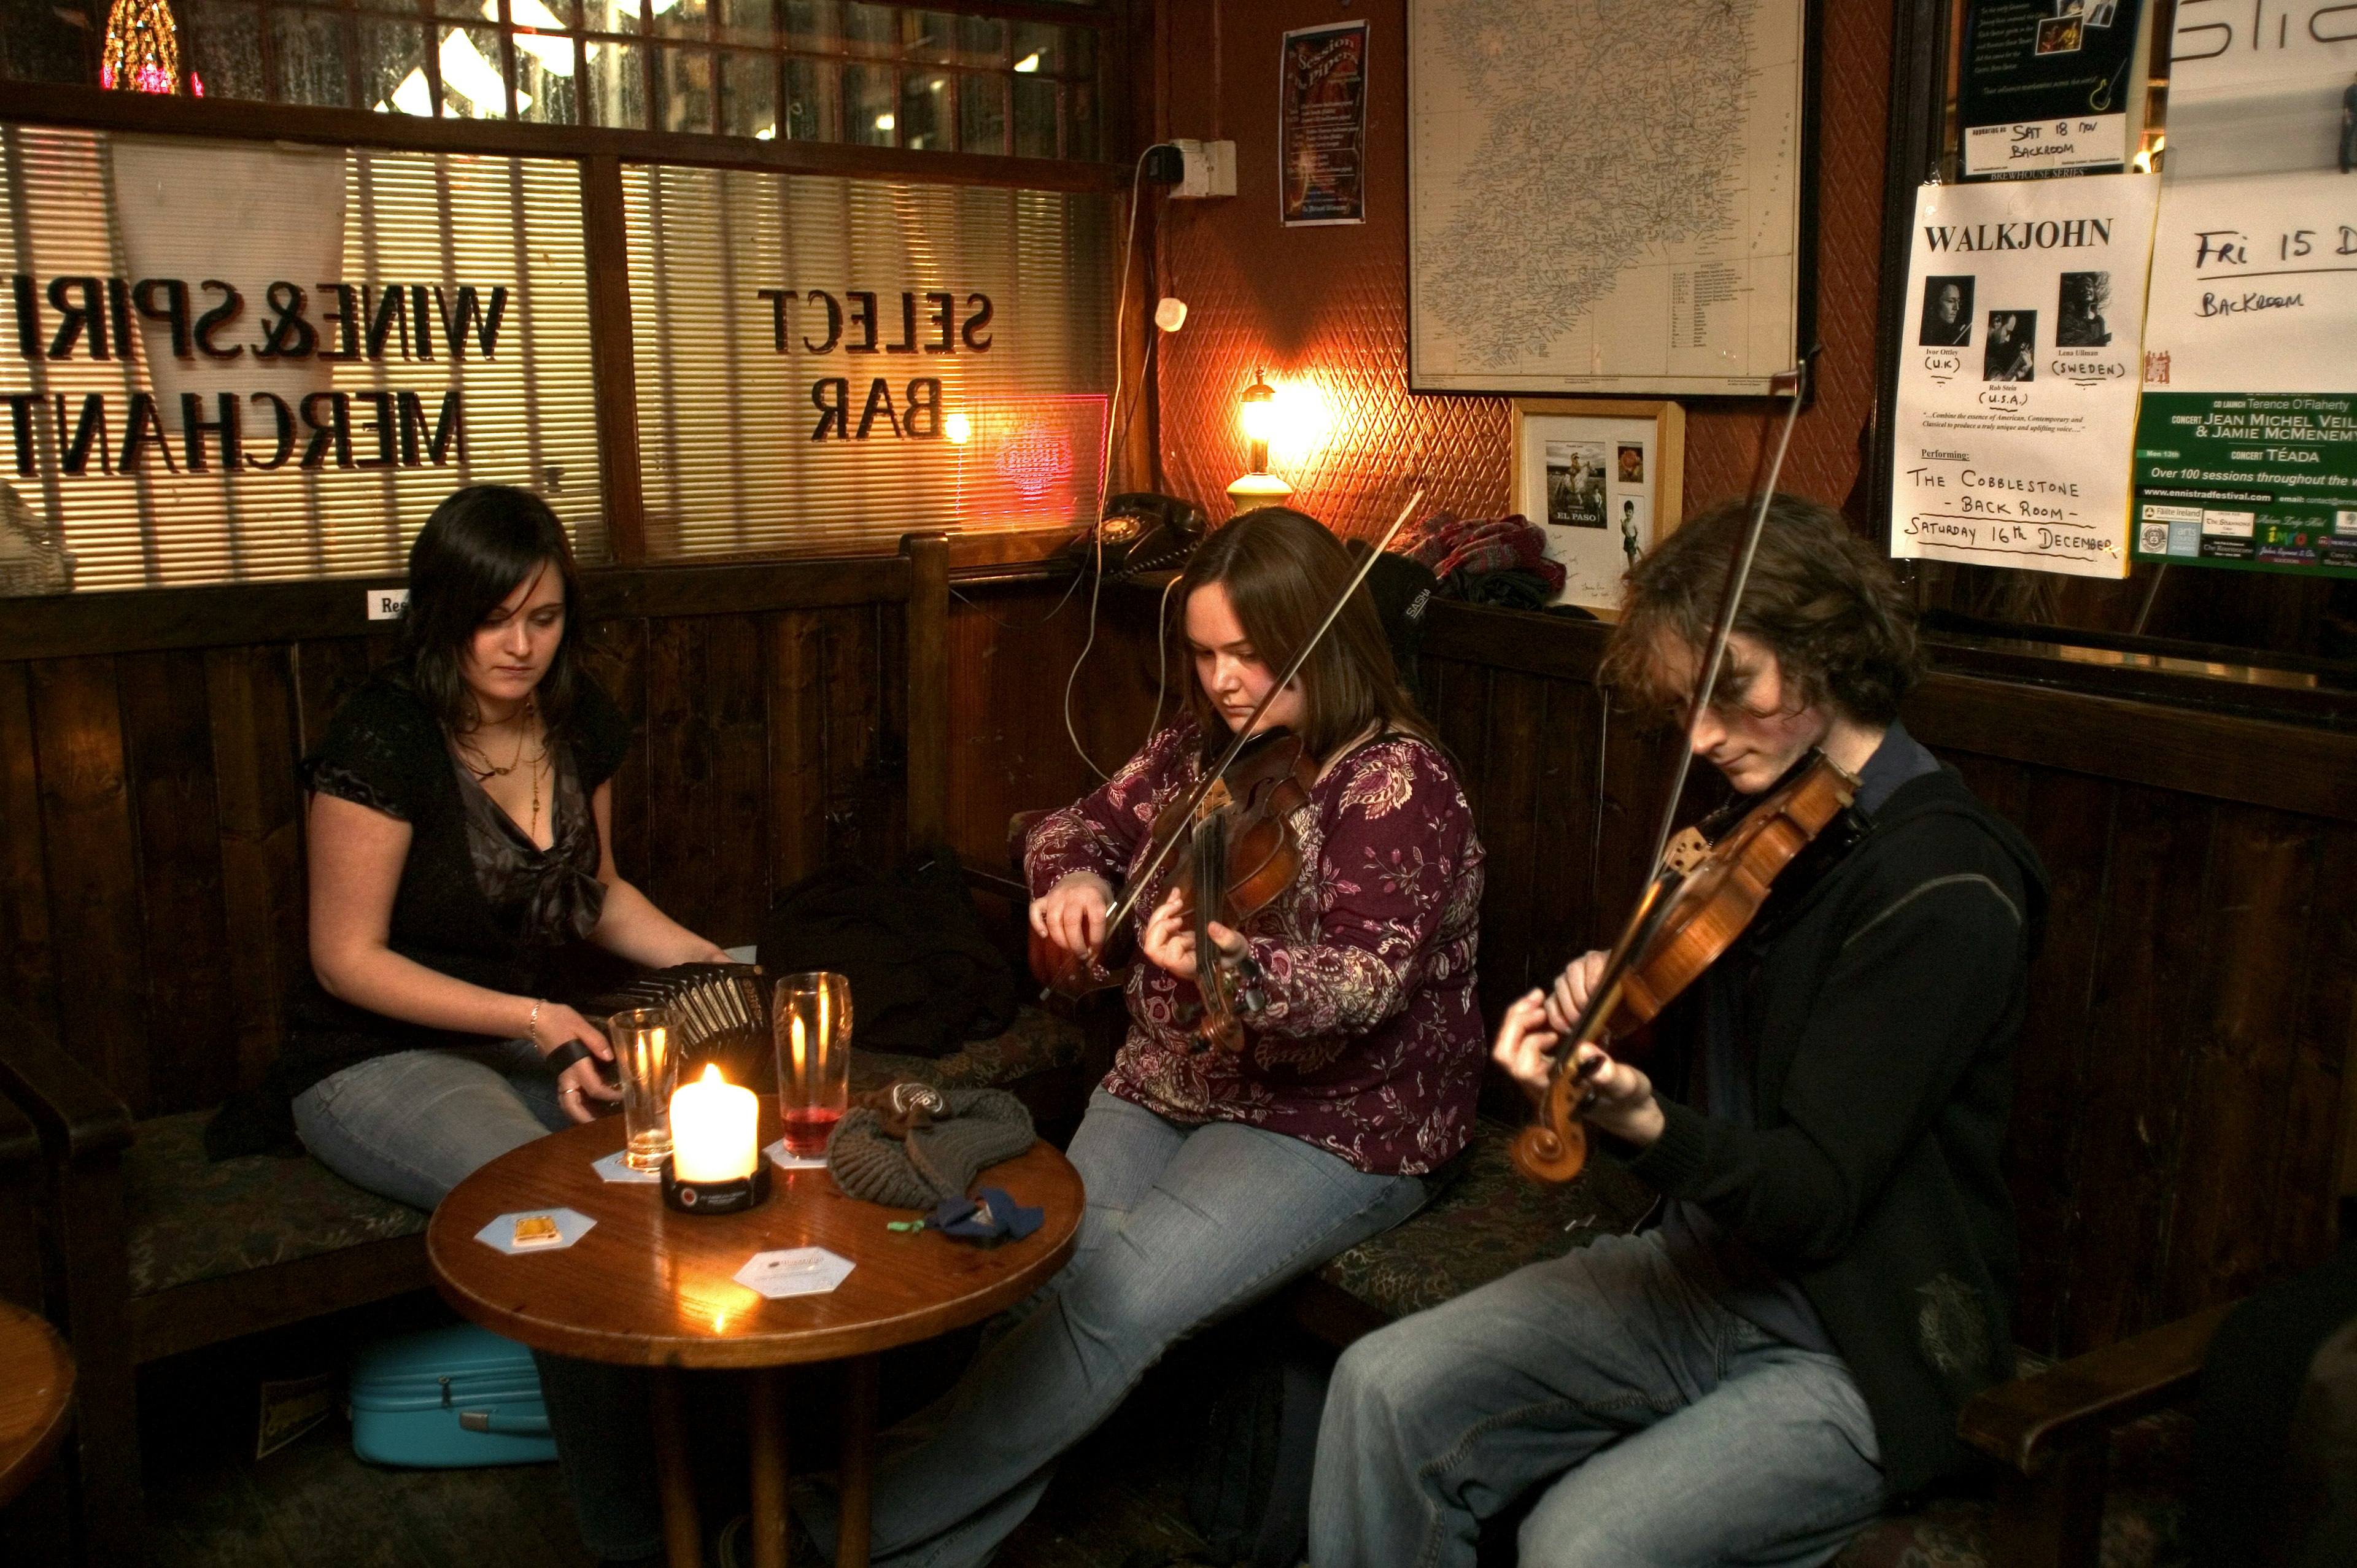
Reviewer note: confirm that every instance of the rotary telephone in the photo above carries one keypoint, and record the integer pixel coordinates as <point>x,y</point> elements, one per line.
<point>1141,531</point>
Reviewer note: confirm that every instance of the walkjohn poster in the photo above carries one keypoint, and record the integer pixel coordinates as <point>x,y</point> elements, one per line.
<point>2017,383</point>
<point>2246,448</point>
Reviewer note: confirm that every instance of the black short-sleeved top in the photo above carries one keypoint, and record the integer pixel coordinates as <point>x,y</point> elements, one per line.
<point>477,900</point>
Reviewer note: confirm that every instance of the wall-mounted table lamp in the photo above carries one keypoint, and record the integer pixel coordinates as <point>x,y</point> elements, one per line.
<point>1258,414</point>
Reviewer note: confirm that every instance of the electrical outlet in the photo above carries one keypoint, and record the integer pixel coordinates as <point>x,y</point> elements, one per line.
<point>1211,168</point>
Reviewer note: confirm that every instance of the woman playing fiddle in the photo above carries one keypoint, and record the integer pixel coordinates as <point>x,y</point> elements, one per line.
<point>1215,1178</point>
<point>1832,1277</point>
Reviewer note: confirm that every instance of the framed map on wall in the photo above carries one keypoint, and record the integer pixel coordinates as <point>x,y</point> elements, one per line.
<point>1609,197</point>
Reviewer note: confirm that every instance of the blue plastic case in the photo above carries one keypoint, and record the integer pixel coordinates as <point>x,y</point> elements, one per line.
<point>453,1398</point>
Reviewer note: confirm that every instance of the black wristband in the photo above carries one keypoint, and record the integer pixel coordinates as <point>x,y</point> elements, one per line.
<point>566,1055</point>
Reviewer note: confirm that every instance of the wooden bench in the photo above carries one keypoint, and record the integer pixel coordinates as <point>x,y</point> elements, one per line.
<point>776,708</point>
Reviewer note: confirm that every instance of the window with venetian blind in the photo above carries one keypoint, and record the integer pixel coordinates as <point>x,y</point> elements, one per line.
<point>823,363</point>
<point>232,361</point>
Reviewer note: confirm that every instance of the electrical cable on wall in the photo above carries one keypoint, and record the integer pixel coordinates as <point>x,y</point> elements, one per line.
<point>1115,418</point>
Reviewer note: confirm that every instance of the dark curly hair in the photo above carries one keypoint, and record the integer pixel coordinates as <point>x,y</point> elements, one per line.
<point>1819,598</point>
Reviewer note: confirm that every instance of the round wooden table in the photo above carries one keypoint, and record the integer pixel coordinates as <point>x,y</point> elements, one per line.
<point>651,1287</point>
<point>36,1377</point>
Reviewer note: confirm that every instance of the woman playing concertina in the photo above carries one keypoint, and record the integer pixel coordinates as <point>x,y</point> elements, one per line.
<point>459,837</point>
<point>1213,1179</point>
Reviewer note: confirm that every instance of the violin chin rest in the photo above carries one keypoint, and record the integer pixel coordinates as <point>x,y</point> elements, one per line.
<point>1542,1154</point>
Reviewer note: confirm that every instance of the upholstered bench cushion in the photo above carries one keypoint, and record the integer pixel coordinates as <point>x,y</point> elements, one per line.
<point>2144,1511</point>
<point>1037,1042</point>
<point>191,1218</point>
<point>1486,1222</point>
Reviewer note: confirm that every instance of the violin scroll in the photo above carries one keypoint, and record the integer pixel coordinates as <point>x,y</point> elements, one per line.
<point>1555,1147</point>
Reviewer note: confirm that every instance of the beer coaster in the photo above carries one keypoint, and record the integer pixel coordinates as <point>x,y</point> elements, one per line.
<point>613,1168</point>
<point>528,1230</point>
<point>791,1162</point>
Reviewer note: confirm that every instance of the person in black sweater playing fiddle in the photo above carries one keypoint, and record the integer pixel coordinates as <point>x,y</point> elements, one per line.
<point>1832,1274</point>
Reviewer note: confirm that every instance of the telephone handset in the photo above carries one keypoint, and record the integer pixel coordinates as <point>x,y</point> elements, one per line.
<point>1143,531</point>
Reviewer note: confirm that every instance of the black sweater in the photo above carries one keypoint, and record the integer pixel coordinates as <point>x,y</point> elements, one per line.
<point>1878,1009</point>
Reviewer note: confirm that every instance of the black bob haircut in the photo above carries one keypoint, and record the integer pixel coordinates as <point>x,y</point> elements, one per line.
<point>479,545</point>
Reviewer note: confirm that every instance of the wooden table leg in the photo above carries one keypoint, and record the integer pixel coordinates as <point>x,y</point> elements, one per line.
<point>682,1535</point>
<point>858,1472</point>
<point>770,1548</point>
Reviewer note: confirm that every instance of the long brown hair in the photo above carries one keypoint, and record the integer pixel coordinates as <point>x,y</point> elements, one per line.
<point>1282,571</point>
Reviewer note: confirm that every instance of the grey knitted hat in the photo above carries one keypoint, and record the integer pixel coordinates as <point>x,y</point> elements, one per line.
<point>978,1128</point>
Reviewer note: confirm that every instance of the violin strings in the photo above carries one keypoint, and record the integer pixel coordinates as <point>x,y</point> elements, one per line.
<point>1706,681</point>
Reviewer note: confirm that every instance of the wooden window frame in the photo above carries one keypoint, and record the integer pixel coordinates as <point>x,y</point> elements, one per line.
<point>599,153</point>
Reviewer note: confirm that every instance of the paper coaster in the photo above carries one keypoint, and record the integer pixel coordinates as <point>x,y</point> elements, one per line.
<point>612,1168</point>
<point>797,1271</point>
<point>571,1226</point>
<point>786,1162</point>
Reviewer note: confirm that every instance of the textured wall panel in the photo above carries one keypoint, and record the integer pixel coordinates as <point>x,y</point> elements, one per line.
<point>1329,306</point>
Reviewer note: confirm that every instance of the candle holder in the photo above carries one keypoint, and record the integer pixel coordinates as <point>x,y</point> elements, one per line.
<point>734,1196</point>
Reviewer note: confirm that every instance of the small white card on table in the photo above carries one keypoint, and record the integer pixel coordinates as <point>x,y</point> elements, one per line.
<point>613,1168</point>
<point>785,1160</point>
<point>796,1271</point>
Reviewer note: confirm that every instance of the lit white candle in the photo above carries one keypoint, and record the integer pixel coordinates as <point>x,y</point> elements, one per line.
<point>795,1044</point>
<point>714,1129</point>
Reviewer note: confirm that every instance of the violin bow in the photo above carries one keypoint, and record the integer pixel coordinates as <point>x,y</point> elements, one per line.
<point>1608,991</point>
<point>1143,877</point>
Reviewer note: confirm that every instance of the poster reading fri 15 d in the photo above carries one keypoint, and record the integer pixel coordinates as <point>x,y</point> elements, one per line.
<point>2018,380</point>
<point>2247,447</point>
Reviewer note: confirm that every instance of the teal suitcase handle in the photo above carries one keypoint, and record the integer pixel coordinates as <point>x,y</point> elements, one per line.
<point>492,1420</point>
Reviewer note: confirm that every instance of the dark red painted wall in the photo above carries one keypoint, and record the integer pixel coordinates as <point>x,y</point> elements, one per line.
<point>1331,304</point>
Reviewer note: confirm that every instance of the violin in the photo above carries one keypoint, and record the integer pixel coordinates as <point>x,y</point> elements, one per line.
<point>1232,837</point>
<point>1705,887</point>
<point>1235,853</point>
<point>1707,892</point>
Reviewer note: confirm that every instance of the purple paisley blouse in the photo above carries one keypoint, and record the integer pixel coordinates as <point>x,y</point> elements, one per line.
<point>1369,1041</point>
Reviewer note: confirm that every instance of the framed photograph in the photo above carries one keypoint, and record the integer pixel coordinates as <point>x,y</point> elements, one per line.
<point>1601,477</point>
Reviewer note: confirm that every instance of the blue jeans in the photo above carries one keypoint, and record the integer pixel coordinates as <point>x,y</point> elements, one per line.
<point>1677,1432</point>
<point>415,1125</point>
<point>1184,1226</point>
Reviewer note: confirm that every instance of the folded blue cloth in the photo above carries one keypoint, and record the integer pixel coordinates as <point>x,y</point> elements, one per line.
<point>991,1213</point>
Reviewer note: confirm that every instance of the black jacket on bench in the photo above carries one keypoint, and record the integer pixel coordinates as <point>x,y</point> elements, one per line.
<point>1877,1012</point>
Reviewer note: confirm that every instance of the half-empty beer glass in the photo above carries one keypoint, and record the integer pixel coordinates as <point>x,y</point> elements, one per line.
<point>811,1014</point>
<point>646,1047</point>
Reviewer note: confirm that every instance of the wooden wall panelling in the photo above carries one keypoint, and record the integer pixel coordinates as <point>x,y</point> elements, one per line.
<point>1570,779</point>
<point>682,839</point>
<point>2067,818</point>
<point>250,702</point>
<point>2319,1116</point>
<point>616,657</point>
<point>851,667</point>
<point>2144,998</point>
<point>27,962</point>
<point>887,771</point>
<point>327,671</point>
<point>2239,1062</point>
<point>923,635</point>
<point>1510,794</point>
<point>92,870</point>
<point>167,740</point>
<point>1011,650</point>
<point>737,704</point>
<point>797,747</point>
